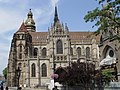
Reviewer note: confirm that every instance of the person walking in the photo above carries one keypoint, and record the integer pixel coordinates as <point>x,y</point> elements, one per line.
<point>2,87</point>
<point>6,88</point>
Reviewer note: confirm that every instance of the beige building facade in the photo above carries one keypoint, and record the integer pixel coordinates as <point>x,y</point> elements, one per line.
<point>110,50</point>
<point>37,54</point>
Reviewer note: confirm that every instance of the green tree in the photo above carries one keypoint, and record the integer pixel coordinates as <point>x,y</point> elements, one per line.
<point>103,77</point>
<point>107,15</point>
<point>5,73</point>
<point>107,75</point>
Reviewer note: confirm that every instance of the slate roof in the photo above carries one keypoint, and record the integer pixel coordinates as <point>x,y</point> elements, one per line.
<point>39,36</point>
<point>74,36</point>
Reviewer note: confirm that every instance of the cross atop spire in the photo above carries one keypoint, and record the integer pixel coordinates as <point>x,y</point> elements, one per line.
<point>30,14</point>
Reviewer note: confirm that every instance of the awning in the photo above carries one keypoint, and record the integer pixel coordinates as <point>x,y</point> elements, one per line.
<point>108,61</point>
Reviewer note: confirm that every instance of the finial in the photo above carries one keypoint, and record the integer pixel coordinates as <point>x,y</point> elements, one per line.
<point>30,13</point>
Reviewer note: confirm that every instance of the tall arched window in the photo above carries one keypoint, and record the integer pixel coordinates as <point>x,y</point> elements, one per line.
<point>20,48</point>
<point>101,40</point>
<point>87,52</point>
<point>44,70</point>
<point>33,70</point>
<point>59,46</point>
<point>71,51</point>
<point>44,51</point>
<point>20,56</point>
<point>79,51</point>
<point>35,52</point>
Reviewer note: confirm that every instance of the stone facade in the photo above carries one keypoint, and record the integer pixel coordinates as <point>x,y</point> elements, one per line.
<point>38,53</point>
<point>110,49</point>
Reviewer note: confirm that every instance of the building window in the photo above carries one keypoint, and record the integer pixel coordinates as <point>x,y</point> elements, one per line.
<point>33,70</point>
<point>111,53</point>
<point>87,52</point>
<point>71,51</point>
<point>20,56</point>
<point>20,48</point>
<point>35,52</point>
<point>61,57</point>
<point>79,51</point>
<point>44,52</point>
<point>59,47</point>
<point>19,65</point>
<point>44,70</point>
<point>101,40</point>
<point>57,57</point>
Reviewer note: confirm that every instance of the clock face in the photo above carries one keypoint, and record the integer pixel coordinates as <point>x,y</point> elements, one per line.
<point>111,53</point>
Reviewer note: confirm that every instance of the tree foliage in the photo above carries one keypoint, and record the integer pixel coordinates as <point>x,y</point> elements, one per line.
<point>78,73</point>
<point>107,75</point>
<point>104,76</point>
<point>106,15</point>
<point>5,72</point>
<point>84,75</point>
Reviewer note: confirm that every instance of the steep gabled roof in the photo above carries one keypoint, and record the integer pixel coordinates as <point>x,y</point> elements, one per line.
<point>22,28</point>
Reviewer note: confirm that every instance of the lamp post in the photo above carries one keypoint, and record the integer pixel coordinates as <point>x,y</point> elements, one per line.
<point>18,72</point>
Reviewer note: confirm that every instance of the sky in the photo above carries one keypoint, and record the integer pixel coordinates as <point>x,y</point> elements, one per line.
<point>14,12</point>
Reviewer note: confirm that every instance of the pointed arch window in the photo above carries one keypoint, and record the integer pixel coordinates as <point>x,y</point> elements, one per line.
<point>71,51</point>
<point>87,52</point>
<point>20,47</point>
<point>59,46</point>
<point>79,51</point>
<point>44,70</point>
<point>20,56</point>
<point>101,40</point>
<point>35,52</point>
<point>33,70</point>
<point>44,51</point>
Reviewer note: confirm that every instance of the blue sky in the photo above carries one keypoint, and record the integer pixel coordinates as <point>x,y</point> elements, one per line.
<point>14,12</point>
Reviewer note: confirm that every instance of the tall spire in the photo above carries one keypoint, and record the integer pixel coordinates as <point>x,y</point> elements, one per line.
<point>56,15</point>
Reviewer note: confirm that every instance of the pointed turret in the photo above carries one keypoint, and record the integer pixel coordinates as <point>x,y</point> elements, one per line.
<point>56,15</point>
<point>29,23</point>
<point>56,19</point>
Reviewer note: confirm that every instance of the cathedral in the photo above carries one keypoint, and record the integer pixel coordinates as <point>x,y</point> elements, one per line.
<point>38,54</point>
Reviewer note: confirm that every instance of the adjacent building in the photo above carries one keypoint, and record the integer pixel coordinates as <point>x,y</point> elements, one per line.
<point>110,50</point>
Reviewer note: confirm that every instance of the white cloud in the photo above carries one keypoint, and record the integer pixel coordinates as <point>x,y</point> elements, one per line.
<point>54,2</point>
<point>9,21</point>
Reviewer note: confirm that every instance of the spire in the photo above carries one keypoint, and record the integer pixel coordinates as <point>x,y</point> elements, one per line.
<point>56,15</point>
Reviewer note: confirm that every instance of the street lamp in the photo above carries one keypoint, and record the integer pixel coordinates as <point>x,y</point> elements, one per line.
<point>18,72</point>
